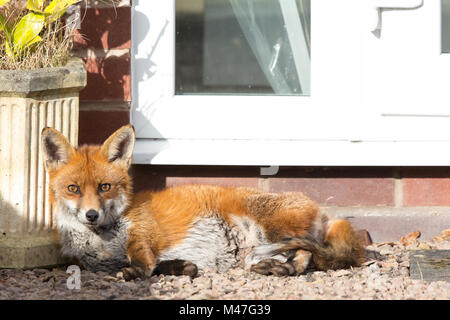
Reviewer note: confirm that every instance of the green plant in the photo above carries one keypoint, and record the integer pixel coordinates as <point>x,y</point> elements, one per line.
<point>38,22</point>
<point>26,31</point>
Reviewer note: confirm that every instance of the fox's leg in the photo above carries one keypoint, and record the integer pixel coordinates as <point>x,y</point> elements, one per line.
<point>176,267</point>
<point>142,260</point>
<point>301,260</point>
<point>273,267</point>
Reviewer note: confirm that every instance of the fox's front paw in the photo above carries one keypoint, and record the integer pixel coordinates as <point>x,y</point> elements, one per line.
<point>177,268</point>
<point>273,267</point>
<point>131,273</point>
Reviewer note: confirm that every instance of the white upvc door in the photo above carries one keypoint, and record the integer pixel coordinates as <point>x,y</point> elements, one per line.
<point>405,75</point>
<point>378,93</point>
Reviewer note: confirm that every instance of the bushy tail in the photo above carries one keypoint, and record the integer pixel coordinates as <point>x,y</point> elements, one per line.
<point>342,247</point>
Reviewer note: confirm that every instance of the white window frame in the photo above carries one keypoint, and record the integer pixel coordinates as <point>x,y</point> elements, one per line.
<point>342,123</point>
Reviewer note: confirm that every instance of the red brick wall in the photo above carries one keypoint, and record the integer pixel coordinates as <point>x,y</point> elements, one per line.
<point>104,43</point>
<point>329,186</point>
<point>426,187</point>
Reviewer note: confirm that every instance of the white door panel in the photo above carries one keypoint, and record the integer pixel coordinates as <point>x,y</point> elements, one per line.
<point>380,94</point>
<point>158,113</point>
<point>405,77</point>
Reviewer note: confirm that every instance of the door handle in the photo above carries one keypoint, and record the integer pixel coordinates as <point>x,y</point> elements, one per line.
<point>376,8</point>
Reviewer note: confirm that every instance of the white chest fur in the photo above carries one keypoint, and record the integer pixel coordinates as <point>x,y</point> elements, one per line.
<point>103,249</point>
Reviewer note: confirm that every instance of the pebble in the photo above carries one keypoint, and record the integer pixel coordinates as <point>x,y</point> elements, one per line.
<point>424,246</point>
<point>386,250</point>
<point>404,264</point>
<point>342,273</point>
<point>110,278</point>
<point>384,276</point>
<point>374,268</point>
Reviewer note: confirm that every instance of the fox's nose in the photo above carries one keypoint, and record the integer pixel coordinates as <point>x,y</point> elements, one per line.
<point>91,215</point>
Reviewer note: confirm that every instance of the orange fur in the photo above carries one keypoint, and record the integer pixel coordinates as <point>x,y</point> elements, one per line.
<point>164,217</point>
<point>88,167</point>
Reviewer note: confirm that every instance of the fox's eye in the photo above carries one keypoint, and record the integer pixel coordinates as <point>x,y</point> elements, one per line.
<point>73,188</point>
<point>104,187</point>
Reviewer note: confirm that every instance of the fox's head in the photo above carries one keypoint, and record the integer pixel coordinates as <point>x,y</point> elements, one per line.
<point>90,184</point>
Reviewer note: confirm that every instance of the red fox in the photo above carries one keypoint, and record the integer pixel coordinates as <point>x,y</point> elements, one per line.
<point>182,229</point>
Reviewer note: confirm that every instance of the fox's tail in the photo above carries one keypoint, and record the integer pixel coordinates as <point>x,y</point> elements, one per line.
<point>341,248</point>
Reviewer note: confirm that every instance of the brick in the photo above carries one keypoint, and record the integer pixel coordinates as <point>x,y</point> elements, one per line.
<point>338,186</point>
<point>426,186</point>
<point>156,177</point>
<point>147,177</point>
<point>96,126</point>
<point>426,192</point>
<point>104,28</point>
<point>340,191</point>
<point>365,236</point>
<point>108,78</point>
<point>218,181</point>
<point>333,187</point>
<point>335,172</point>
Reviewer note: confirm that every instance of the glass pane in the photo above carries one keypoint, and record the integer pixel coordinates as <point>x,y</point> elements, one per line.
<point>243,47</point>
<point>445,26</point>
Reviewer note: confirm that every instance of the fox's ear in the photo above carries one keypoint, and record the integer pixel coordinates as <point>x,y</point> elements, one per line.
<point>118,148</point>
<point>56,149</point>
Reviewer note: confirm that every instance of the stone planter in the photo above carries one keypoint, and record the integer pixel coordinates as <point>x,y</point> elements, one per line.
<point>29,101</point>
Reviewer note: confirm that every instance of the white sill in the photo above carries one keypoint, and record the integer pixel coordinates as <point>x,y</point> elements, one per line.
<point>291,152</point>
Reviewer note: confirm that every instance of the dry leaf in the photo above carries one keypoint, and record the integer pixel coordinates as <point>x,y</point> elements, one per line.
<point>444,236</point>
<point>410,238</point>
<point>389,243</point>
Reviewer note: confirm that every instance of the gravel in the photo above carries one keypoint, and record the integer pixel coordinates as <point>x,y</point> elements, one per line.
<point>385,275</point>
